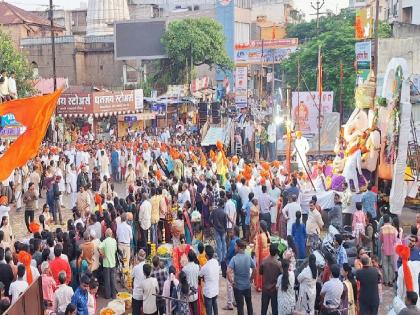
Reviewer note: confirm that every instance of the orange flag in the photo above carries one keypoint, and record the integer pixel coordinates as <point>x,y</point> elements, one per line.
<point>35,114</point>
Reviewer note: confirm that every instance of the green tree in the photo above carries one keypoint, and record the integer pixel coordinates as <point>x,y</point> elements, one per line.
<point>336,38</point>
<point>12,60</point>
<point>190,43</point>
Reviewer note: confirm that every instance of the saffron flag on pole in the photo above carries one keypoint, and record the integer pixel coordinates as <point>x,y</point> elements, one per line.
<point>35,114</point>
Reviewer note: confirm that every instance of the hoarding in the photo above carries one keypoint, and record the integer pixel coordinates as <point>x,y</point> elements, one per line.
<point>363,60</point>
<point>265,52</point>
<point>305,110</point>
<point>139,40</point>
<point>241,87</point>
<point>364,23</point>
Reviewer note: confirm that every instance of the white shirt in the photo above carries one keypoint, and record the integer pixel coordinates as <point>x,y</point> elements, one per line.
<point>230,210</point>
<point>184,197</point>
<point>138,275</point>
<point>4,211</point>
<point>17,288</point>
<point>62,297</point>
<point>271,131</point>
<point>192,271</point>
<point>35,274</point>
<point>124,233</point>
<point>145,215</point>
<point>289,211</point>
<point>243,193</point>
<point>210,272</point>
<point>12,86</point>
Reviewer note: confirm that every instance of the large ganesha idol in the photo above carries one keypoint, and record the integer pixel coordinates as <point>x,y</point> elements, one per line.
<point>357,148</point>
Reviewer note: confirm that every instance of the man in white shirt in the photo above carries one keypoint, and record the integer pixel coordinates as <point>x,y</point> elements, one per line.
<point>124,237</point>
<point>332,290</point>
<point>12,85</point>
<point>145,219</point>
<point>19,286</point>
<point>185,196</point>
<point>289,213</point>
<point>243,192</point>
<point>192,270</point>
<point>63,294</point>
<point>272,135</point>
<point>230,210</point>
<point>210,273</point>
<point>138,277</point>
<point>249,137</point>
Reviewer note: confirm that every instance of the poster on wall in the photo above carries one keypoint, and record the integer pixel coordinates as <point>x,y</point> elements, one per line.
<point>241,87</point>
<point>305,110</point>
<point>364,23</point>
<point>363,60</point>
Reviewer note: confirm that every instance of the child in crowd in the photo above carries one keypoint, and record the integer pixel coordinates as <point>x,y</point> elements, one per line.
<point>359,223</point>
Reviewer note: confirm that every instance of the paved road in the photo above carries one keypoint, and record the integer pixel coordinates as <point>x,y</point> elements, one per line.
<point>19,229</point>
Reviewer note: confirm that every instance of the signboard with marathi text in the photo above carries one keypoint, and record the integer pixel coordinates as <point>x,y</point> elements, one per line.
<point>265,51</point>
<point>114,102</point>
<point>305,110</point>
<point>75,104</point>
<point>363,60</point>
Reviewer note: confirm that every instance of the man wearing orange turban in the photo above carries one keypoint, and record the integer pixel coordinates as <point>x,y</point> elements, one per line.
<point>25,259</point>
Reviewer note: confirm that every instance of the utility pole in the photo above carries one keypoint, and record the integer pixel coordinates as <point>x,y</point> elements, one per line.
<point>341,93</point>
<point>320,98</point>
<point>375,69</point>
<point>51,16</point>
<point>317,7</point>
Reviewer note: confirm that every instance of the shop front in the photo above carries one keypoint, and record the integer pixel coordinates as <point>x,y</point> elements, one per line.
<point>97,112</point>
<point>131,123</point>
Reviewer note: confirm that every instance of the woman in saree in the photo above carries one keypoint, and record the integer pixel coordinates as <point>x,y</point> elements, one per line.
<point>188,231</point>
<point>262,250</point>
<point>254,224</point>
<point>180,255</point>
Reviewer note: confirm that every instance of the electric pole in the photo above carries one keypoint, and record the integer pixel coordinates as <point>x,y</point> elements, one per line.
<point>51,16</point>
<point>317,7</point>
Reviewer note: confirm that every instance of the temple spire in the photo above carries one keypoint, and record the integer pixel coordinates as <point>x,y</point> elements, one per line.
<point>102,14</point>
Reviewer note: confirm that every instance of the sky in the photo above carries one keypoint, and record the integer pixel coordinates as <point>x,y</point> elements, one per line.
<point>304,5</point>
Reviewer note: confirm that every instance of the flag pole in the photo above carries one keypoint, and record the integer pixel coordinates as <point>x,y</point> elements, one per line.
<point>320,98</point>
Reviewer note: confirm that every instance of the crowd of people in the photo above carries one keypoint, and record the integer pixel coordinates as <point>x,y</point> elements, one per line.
<point>221,216</point>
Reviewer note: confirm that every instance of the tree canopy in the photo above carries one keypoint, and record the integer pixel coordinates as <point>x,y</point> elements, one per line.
<point>12,60</point>
<point>194,41</point>
<point>336,37</point>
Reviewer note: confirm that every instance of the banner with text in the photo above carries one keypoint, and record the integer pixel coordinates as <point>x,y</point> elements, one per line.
<point>241,87</point>
<point>363,60</point>
<point>265,52</point>
<point>305,110</point>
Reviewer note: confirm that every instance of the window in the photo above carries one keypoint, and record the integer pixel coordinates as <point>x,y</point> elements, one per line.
<point>242,33</point>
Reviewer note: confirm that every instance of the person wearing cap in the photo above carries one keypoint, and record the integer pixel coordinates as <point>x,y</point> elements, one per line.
<point>138,276</point>
<point>124,237</point>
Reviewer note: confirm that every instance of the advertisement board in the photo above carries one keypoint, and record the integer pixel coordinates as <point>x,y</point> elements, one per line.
<point>364,23</point>
<point>266,52</point>
<point>363,60</point>
<point>305,110</point>
<point>138,99</point>
<point>241,87</point>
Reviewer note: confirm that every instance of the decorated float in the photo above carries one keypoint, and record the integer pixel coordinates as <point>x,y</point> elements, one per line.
<point>373,145</point>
